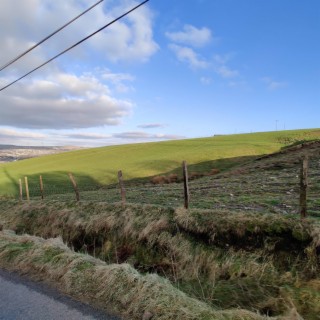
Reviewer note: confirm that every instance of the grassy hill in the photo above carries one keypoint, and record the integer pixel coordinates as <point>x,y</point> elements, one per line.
<point>100,165</point>
<point>241,250</point>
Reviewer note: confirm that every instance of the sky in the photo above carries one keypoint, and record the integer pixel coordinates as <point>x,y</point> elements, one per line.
<point>170,70</point>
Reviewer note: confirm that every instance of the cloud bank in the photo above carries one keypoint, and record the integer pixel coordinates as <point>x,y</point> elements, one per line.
<point>54,97</point>
<point>78,137</point>
<point>62,101</point>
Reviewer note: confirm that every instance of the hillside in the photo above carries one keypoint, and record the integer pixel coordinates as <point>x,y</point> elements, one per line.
<point>265,184</point>
<point>100,165</point>
<point>241,251</point>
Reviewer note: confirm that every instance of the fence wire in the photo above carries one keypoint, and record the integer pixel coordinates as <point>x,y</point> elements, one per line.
<point>271,189</point>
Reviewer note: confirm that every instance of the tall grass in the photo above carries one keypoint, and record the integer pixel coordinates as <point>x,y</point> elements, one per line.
<point>227,260</point>
<point>117,287</point>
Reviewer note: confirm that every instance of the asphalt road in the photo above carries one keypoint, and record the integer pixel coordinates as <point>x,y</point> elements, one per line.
<point>22,299</point>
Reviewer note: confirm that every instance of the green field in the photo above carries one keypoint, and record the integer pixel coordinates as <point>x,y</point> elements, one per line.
<point>240,251</point>
<point>100,165</point>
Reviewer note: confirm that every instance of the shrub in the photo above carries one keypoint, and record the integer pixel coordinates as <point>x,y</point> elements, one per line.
<point>195,175</point>
<point>158,180</point>
<point>213,172</point>
<point>171,178</point>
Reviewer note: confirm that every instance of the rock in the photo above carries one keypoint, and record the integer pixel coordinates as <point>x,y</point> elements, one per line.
<point>147,315</point>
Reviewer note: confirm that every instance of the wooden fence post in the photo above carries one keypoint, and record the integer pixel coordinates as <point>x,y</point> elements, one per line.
<point>122,188</point>
<point>20,189</point>
<point>41,188</point>
<point>75,187</point>
<point>185,183</point>
<point>27,188</point>
<point>303,187</point>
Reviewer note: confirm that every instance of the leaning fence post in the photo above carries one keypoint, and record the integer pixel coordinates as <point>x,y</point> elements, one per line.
<point>303,187</point>
<point>27,188</point>
<point>122,188</point>
<point>185,183</point>
<point>20,189</point>
<point>75,187</point>
<point>41,188</point>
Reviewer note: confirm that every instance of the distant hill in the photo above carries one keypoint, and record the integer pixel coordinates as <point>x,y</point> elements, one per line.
<point>10,153</point>
<point>144,160</point>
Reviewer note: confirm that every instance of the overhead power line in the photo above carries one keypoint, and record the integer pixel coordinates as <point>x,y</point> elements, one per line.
<point>75,45</point>
<point>48,37</point>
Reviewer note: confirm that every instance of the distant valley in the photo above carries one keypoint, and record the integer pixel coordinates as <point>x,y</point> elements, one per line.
<point>10,153</point>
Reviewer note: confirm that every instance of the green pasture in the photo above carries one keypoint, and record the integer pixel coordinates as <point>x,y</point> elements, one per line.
<point>100,165</point>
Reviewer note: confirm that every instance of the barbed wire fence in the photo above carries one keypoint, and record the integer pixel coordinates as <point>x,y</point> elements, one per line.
<point>295,191</point>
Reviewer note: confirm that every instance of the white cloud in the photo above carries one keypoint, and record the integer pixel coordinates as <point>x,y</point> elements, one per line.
<point>12,133</point>
<point>151,125</point>
<point>23,23</point>
<point>62,101</point>
<point>188,55</point>
<point>143,136</point>
<point>222,59</point>
<point>87,137</point>
<point>130,39</point>
<point>222,69</point>
<point>119,80</point>
<point>226,72</point>
<point>196,37</point>
<point>22,137</point>
<point>54,99</point>
<point>272,84</point>
<point>190,37</point>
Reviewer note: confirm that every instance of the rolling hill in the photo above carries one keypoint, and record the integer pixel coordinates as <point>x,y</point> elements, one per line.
<point>241,250</point>
<point>100,165</point>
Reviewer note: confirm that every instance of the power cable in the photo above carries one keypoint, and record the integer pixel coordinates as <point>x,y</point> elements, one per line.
<point>48,37</point>
<point>75,45</point>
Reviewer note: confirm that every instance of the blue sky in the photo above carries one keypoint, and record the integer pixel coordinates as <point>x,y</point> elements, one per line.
<point>171,70</point>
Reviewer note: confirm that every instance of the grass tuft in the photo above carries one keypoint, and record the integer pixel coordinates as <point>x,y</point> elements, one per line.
<point>120,287</point>
<point>224,259</point>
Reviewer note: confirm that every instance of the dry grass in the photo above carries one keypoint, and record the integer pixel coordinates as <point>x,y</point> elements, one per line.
<point>257,262</point>
<point>118,287</point>
<point>171,178</point>
<point>174,178</point>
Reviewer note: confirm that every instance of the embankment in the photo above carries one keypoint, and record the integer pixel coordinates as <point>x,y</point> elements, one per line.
<point>264,263</point>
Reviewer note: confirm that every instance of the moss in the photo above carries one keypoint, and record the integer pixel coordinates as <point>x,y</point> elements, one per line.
<point>155,260</point>
<point>306,298</point>
<point>13,250</point>
<point>277,226</point>
<point>48,255</point>
<point>242,291</point>
<point>82,266</point>
<point>301,234</point>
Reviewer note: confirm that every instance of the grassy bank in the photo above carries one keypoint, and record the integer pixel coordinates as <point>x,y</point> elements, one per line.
<point>100,166</point>
<point>268,263</point>
<point>250,257</point>
<point>116,288</point>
